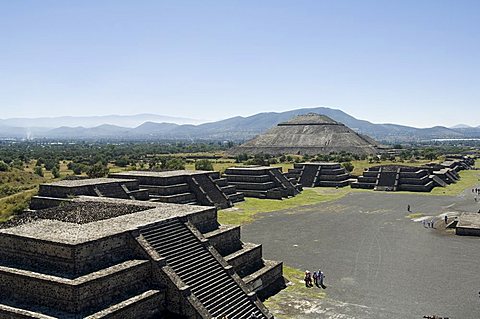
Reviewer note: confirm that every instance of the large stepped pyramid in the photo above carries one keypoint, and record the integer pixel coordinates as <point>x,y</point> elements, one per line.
<point>319,174</point>
<point>310,134</point>
<point>97,257</point>
<point>260,182</point>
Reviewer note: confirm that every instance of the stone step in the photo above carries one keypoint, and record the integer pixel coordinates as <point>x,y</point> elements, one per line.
<point>221,181</point>
<point>230,189</point>
<point>269,274</point>
<point>175,198</point>
<point>246,260</point>
<point>248,178</point>
<point>203,273</point>
<point>243,186</point>
<point>167,189</point>
<point>236,197</point>
<point>145,305</point>
<point>225,239</point>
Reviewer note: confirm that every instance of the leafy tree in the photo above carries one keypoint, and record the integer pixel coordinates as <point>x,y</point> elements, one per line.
<point>175,164</point>
<point>18,164</point>
<point>55,172</point>
<point>40,161</point>
<point>241,158</point>
<point>3,166</point>
<point>348,166</point>
<point>203,165</point>
<point>122,162</point>
<point>50,164</point>
<point>97,170</point>
<point>38,170</point>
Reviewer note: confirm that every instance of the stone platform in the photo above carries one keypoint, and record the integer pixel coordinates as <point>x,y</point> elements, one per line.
<point>94,257</point>
<point>398,178</point>
<point>468,224</point>
<point>51,193</point>
<point>319,174</point>
<point>261,182</point>
<point>185,187</point>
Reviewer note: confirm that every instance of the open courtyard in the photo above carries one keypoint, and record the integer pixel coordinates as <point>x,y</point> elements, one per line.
<point>380,261</point>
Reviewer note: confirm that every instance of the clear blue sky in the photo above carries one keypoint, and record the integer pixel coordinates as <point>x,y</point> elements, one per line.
<point>406,62</point>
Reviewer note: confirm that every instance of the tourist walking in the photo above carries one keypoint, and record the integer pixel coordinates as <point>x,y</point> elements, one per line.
<point>446,219</point>
<point>321,277</point>
<point>308,279</point>
<point>408,208</point>
<point>315,278</point>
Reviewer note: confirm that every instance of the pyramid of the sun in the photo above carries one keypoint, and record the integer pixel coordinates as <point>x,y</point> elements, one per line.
<point>310,134</point>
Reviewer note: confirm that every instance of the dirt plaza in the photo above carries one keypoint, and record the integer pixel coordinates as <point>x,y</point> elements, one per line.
<point>380,261</point>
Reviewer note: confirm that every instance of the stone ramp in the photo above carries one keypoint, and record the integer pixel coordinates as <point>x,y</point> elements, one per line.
<point>198,268</point>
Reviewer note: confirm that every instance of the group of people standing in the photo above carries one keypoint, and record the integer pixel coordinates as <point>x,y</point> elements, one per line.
<point>315,279</point>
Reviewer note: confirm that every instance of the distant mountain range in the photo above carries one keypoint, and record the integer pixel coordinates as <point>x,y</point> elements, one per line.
<point>156,127</point>
<point>92,121</point>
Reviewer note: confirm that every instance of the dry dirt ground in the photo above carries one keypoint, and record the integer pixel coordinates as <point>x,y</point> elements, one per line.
<point>380,261</point>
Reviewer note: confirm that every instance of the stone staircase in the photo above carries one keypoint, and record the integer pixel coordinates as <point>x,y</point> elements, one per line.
<point>386,180</point>
<point>210,282</point>
<point>283,182</point>
<point>308,176</point>
<point>229,190</point>
<point>205,188</point>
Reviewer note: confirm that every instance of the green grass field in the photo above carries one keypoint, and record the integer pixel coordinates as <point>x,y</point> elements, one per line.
<point>468,179</point>
<point>247,211</point>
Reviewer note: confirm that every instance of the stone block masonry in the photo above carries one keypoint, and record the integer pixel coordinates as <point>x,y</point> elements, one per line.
<point>185,187</point>
<point>98,257</point>
<point>260,182</point>
<point>319,175</point>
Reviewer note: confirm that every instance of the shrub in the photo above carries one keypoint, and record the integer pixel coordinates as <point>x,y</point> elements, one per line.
<point>3,166</point>
<point>175,164</point>
<point>38,170</point>
<point>203,165</point>
<point>348,166</point>
<point>97,170</point>
<point>55,172</point>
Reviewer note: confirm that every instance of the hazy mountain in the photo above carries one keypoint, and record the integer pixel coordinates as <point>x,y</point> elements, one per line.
<point>93,121</point>
<point>461,126</point>
<point>236,128</point>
